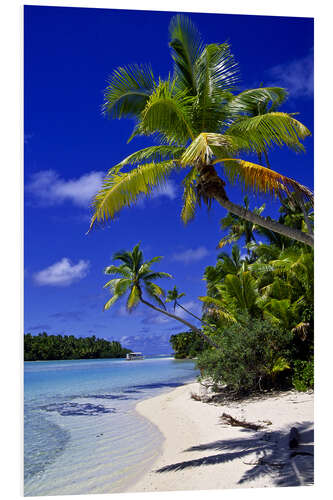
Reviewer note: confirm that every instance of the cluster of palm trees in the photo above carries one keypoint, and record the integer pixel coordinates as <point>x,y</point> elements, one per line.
<point>277,285</point>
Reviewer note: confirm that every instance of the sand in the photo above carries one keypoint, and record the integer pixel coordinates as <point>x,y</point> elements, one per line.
<point>201,453</point>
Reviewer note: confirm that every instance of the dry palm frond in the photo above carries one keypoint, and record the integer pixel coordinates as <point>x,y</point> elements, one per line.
<point>262,179</point>
<point>200,150</point>
<point>302,330</point>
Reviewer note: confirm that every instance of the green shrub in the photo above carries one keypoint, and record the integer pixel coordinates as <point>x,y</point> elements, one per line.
<point>303,376</point>
<point>254,355</point>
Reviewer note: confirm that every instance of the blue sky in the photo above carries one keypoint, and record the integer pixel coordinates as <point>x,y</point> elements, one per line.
<point>69,146</point>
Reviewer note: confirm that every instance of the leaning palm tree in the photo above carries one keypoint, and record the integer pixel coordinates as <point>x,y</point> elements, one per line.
<point>134,276</point>
<point>174,296</point>
<point>200,124</point>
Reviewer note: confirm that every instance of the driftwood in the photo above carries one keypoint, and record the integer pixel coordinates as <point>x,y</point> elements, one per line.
<point>228,419</point>
<point>196,396</point>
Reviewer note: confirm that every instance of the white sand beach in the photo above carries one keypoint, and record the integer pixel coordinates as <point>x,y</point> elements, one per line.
<point>200,452</point>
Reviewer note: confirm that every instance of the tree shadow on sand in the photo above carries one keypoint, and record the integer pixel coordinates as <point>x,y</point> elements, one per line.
<point>268,453</point>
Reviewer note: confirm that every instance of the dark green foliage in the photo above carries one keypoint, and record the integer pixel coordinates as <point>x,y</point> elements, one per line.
<point>187,345</point>
<point>303,378</point>
<point>253,355</point>
<point>274,282</point>
<point>44,347</point>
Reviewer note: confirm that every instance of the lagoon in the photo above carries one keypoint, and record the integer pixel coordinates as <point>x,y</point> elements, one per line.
<point>82,434</point>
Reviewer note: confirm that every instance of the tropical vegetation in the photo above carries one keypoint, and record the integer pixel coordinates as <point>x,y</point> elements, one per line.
<point>268,294</point>
<point>187,345</point>
<point>204,127</point>
<point>256,327</point>
<point>43,347</point>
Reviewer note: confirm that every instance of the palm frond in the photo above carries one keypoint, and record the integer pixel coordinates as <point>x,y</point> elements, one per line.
<point>152,153</point>
<point>122,286</point>
<point>262,131</point>
<point>133,298</point>
<point>189,196</point>
<point>227,240</point>
<point>128,91</point>
<point>186,46</point>
<point>112,283</point>
<point>123,270</point>
<point>216,73</point>
<point>256,101</point>
<point>124,256</point>
<point>216,69</point>
<point>168,112</point>
<point>155,292</point>
<point>123,189</point>
<point>217,306</point>
<point>262,179</point>
<point>200,148</point>
<point>110,302</point>
<point>156,275</point>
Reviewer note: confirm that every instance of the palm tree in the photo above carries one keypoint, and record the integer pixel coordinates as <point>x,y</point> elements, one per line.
<point>174,296</point>
<point>135,276</point>
<point>199,124</point>
<point>226,264</point>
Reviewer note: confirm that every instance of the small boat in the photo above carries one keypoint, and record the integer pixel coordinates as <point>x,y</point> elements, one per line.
<point>134,355</point>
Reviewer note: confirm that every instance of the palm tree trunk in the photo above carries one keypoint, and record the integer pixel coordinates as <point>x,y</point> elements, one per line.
<point>305,214</point>
<point>194,316</point>
<point>177,318</point>
<point>294,234</point>
<point>211,186</point>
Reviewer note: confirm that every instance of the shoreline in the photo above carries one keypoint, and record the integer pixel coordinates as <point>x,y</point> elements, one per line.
<point>199,452</point>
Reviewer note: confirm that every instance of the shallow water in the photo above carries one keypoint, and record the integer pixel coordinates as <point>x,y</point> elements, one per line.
<point>82,434</point>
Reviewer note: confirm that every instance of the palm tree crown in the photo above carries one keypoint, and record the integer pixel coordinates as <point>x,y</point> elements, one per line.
<point>134,276</point>
<point>199,122</point>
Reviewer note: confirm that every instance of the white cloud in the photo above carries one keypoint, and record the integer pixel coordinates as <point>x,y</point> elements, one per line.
<point>156,319</point>
<point>51,189</point>
<point>295,76</point>
<point>62,273</point>
<point>169,190</point>
<point>191,255</point>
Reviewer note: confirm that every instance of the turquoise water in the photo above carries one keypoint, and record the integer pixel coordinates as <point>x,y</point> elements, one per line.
<point>82,434</point>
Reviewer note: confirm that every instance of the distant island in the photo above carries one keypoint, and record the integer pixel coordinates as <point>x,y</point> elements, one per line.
<point>43,347</point>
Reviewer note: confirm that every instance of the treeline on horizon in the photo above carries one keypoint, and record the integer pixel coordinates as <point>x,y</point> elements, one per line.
<point>43,347</point>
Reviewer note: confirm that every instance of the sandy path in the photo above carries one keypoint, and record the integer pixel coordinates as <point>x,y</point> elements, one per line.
<point>200,453</point>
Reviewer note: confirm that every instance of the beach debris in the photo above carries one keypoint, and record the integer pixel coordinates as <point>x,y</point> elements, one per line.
<point>228,419</point>
<point>267,422</point>
<point>195,396</point>
<point>293,438</point>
